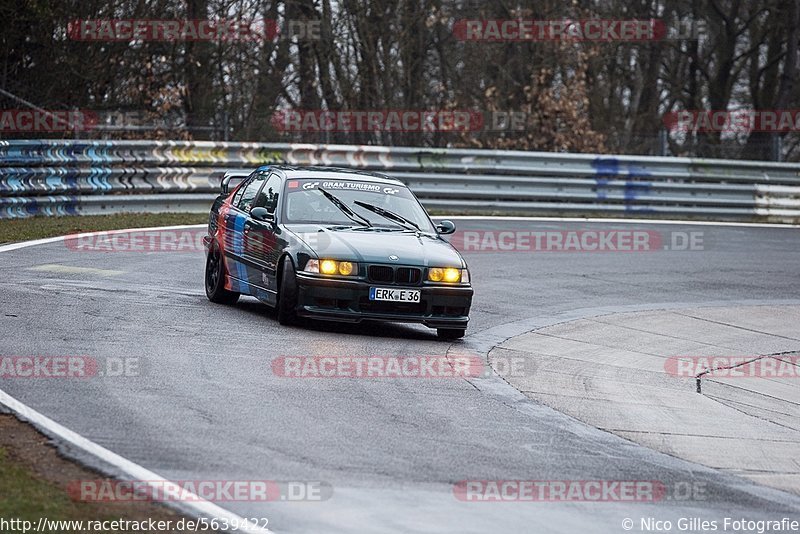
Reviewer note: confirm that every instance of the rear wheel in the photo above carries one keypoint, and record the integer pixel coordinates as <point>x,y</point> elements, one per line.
<point>287,294</point>
<point>215,278</point>
<point>450,333</point>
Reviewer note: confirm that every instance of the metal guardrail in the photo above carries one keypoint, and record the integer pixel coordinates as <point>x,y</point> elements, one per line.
<point>62,177</point>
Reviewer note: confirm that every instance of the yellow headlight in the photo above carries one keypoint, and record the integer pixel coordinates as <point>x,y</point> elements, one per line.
<point>452,275</point>
<point>345,268</point>
<point>328,267</point>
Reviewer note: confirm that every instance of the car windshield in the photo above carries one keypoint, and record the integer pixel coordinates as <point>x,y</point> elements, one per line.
<point>377,203</point>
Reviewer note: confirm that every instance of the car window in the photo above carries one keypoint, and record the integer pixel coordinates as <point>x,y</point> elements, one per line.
<point>305,204</point>
<point>248,196</point>
<point>238,196</point>
<point>242,186</point>
<point>268,197</point>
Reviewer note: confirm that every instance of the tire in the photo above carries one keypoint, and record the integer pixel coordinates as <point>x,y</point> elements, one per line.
<point>215,278</point>
<point>287,294</point>
<point>450,333</point>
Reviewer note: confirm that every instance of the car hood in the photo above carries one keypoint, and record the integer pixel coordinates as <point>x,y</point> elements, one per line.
<point>367,245</point>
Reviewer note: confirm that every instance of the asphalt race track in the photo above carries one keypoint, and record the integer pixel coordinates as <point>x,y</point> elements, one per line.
<point>206,405</point>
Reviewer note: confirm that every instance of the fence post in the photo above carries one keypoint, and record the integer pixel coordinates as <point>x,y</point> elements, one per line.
<point>663,145</point>
<point>777,147</point>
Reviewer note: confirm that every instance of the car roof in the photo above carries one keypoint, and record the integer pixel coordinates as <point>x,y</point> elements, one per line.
<point>331,173</point>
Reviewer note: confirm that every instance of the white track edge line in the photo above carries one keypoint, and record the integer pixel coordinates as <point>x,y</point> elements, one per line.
<point>202,507</point>
<point>23,244</point>
<point>610,220</point>
<point>128,467</point>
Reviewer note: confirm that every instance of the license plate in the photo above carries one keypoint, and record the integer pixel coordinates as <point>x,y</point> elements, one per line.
<point>394,294</point>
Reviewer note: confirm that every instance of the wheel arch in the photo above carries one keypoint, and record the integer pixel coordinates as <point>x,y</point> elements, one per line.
<point>279,274</point>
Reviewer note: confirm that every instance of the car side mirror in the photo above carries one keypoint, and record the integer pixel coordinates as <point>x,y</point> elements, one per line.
<point>446,227</point>
<point>261,214</point>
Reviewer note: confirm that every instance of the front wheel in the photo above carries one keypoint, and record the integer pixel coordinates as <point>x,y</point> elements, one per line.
<point>450,333</point>
<point>215,278</point>
<point>287,294</point>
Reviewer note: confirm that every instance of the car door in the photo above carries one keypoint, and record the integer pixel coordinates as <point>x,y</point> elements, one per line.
<point>263,242</point>
<point>235,242</point>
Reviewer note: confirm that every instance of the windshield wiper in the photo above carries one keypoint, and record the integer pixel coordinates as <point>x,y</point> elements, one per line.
<point>353,216</point>
<point>392,216</point>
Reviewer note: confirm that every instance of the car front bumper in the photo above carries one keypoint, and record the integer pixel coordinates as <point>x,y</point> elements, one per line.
<point>337,299</point>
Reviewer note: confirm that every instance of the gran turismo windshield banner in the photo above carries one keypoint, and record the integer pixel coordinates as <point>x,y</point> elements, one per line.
<point>345,185</point>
